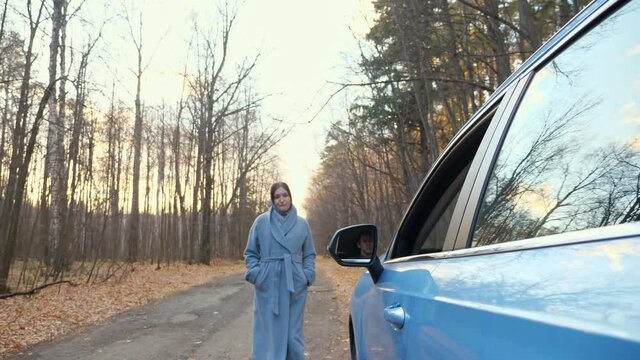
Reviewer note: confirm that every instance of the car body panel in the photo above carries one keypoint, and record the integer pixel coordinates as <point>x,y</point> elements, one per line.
<point>494,306</point>
<point>559,300</point>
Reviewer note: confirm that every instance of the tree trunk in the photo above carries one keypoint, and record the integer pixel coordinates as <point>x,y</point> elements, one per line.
<point>57,242</point>
<point>133,234</point>
<point>20,159</point>
<point>205,236</point>
<point>528,25</point>
<point>498,43</point>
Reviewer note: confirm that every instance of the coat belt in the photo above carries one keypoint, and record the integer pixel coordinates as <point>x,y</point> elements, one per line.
<point>288,260</point>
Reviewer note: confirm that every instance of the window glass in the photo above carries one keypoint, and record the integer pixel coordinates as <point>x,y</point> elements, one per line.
<point>425,227</point>
<point>435,240</point>
<point>436,232</point>
<point>570,160</point>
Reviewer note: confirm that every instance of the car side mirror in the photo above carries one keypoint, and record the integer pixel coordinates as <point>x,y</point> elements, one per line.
<point>356,245</point>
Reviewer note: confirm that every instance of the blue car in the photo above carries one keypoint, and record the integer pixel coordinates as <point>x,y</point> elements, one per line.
<point>523,241</point>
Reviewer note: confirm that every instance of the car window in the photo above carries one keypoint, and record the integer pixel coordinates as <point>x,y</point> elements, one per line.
<point>425,227</point>
<point>434,231</point>
<point>570,160</point>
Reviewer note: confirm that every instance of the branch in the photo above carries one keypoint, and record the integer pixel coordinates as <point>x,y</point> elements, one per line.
<point>4,16</point>
<point>346,85</point>
<point>35,290</point>
<point>421,78</point>
<point>497,18</point>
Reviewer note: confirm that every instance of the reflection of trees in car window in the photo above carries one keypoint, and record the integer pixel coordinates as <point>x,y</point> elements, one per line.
<point>425,228</point>
<point>571,158</point>
<point>437,225</point>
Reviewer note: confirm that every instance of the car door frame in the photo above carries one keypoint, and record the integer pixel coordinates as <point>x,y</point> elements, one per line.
<point>508,94</point>
<point>419,197</point>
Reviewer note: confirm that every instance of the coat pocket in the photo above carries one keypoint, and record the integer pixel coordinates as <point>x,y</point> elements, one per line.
<point>300,281</point>
<point>261,278</point>
<point>252,274</point>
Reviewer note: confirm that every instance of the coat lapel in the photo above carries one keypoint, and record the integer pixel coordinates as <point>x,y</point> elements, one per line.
<point>277,229</point>
<point>290,221</point>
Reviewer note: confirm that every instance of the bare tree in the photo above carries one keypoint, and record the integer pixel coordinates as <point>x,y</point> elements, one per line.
<point>214,99</point>
<point>133,233</point>
<point>21,152</point>
<point>55,143</point>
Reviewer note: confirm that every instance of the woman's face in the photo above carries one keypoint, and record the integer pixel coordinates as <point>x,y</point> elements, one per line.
<point>282,200</point>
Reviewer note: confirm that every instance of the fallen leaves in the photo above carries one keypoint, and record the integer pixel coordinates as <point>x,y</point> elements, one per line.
<point>62,309</point>
<point>343,280</point>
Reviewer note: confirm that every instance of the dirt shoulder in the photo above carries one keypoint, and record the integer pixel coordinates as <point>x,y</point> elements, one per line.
<point>342,279</point>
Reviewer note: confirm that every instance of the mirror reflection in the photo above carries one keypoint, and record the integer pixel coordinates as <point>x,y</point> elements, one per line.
<point>356,244</point>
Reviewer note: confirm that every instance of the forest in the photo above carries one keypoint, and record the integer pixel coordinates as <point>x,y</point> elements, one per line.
<point>92,184</point>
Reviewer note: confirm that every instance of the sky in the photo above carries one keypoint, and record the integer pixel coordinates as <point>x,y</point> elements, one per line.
<point>302,46</point>
<point>305,44</point>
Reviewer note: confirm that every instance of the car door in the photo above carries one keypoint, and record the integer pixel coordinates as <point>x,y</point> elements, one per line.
<point>396,317</point>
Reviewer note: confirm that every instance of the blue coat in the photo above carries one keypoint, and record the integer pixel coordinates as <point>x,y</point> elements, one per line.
<point>280,260</point>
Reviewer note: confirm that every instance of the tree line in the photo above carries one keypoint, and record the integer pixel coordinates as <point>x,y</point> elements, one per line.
<point>91,186</point>
<point>426,65</point>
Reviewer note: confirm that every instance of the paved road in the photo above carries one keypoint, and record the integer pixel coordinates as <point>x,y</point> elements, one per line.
<point>212,321</point>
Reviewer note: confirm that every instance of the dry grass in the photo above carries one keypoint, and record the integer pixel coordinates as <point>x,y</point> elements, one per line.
<point>62,309</point>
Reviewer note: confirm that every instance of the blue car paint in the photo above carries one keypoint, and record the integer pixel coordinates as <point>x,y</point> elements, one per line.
<point>547,303</point>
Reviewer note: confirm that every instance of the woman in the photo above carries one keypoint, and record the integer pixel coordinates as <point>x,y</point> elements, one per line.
<point>280,260</point>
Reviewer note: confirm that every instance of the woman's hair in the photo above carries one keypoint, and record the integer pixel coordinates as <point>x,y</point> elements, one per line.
<point>278,185</point>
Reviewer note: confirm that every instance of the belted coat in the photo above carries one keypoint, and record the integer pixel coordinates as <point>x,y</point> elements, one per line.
<point>280,261</point>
